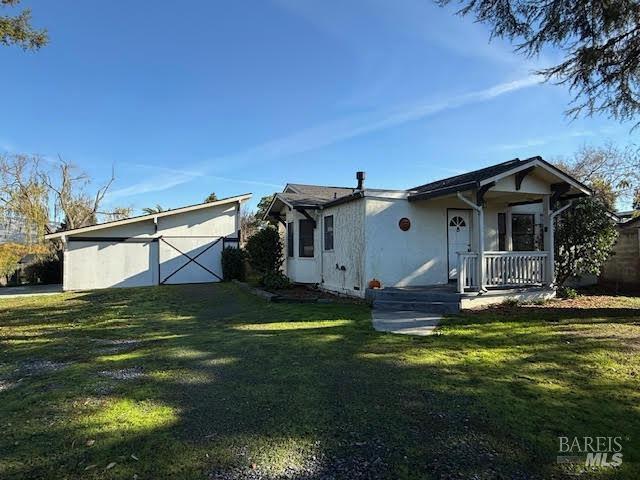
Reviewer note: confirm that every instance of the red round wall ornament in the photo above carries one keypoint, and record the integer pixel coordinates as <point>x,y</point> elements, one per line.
<point>404,224</point>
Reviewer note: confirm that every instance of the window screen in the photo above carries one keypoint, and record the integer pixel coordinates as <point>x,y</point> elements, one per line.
<point>290,239</point>
<point>328,232</point>
<point>305,238</point>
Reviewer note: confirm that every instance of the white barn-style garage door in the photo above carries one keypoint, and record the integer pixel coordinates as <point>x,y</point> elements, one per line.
<point>172,247</point>
<point>190,259</point>
<point>107,261</point>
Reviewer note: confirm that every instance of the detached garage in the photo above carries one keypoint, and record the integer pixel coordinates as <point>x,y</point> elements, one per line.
<point>183,245</point>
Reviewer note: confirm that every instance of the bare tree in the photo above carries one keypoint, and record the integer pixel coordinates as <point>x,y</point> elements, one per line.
<point>118,213</point>
<point>68,186</point>
<point>612,172</point>
<point>249,223</point>
<point>37,194</point>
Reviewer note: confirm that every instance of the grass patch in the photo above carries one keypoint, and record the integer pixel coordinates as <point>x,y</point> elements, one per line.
<point>210,382</point>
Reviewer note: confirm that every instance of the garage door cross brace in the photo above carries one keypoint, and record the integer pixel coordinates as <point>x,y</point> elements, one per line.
<point>191,259</point>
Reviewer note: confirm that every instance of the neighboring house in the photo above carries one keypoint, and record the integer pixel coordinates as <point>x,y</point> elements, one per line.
<point>183,245</point>
<point>622,269</point>
<point>486,229</point>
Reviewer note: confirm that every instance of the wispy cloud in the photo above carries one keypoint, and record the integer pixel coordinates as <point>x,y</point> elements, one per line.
<point>170,177</point>
<point>544,140</point>
<point>321,136</point>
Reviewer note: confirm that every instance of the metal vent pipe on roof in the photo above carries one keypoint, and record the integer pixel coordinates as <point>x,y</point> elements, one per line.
<point>360,176</point>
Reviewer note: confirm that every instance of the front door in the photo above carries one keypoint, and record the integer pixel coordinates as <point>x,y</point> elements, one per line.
<point>459,237</point>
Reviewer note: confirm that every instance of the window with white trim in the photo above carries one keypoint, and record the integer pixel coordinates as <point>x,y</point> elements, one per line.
<point>305,238</point>
<point>328,232</point>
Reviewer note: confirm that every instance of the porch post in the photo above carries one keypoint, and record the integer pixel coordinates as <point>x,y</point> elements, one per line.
<point>548,240</point>
<point>480,211</point>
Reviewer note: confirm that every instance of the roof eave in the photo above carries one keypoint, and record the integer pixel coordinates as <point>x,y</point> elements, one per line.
<point>345,199</point>
<point>144,218</point>
<point>440,192</point>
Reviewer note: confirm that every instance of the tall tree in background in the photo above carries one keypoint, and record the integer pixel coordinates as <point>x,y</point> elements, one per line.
<point>151,210</point>
<point>613,173</point>
<point>69,186</point>
<point>600,41</point>
<point>17,29</point>
<point>263,206</point>
<point>118,213</point>
<point>38,193</point>
<point>23,194</point>
<point>211,198</point>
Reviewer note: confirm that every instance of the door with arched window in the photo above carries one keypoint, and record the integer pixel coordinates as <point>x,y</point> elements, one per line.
<point>458,237</point>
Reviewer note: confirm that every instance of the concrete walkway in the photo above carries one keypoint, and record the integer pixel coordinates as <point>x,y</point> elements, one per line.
<point>405,322</point>
<point>29,291</point>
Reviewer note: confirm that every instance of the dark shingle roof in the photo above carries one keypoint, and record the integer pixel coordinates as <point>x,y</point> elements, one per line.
<point>319,191</point>
<point>471,177</point>
<point>302,200</point>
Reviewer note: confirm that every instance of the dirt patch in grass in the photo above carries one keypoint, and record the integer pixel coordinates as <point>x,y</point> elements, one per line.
<point>132,373</point>
<point>308,293</point>
<point>111,347</point>
<point>35,367</point>
<point>6,385</point>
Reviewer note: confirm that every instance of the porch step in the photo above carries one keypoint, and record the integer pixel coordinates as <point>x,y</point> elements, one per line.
<point>432,294</point>
<point>418,305</point>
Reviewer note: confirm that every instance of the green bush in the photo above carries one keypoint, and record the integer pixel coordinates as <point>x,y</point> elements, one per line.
<point>233,264</point>
<point>567,292</point>
<point>276,281</point>
<point>264,249</point>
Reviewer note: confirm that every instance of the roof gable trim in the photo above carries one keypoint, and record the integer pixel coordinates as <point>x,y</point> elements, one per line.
<point>153,216</point>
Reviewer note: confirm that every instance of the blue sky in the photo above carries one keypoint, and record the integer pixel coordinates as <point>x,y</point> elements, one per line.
<point>198,96</point>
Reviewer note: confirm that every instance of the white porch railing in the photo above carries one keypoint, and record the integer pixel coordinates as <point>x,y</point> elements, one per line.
<point>467,271</point>
<point>502,269</point>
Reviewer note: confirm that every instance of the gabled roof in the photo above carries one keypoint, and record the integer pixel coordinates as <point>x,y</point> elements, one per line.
<point>142,218</point>
<point>477,178</point>
<point>301,200</point>
<point>469,177</point>
<point>297,195</point>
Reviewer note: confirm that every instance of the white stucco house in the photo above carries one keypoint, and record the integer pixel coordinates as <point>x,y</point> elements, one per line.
<point>477,233</point>
<point>182,245</point>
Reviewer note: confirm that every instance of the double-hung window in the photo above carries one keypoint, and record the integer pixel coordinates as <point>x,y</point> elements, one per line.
<point>305,238</point>
<point>523,232</point>
<point>290,239</point>
<point>328,232</point>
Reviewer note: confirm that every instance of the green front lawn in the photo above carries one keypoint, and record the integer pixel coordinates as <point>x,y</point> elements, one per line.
<point>210,382</point>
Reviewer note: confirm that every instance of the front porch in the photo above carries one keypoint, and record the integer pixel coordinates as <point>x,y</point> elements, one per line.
<point>503,270</point>
<point>500,224</point>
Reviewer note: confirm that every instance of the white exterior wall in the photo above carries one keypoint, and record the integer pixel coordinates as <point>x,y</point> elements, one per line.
<point>415,257</point>
<point>103,264</point>
<point>302,269</point>
<point>348,249</point>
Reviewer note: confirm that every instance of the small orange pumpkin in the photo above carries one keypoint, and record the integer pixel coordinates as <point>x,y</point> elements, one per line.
<point>375,283</point>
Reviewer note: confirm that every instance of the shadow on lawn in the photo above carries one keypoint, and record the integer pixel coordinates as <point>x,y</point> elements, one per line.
<point>231,381</point>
